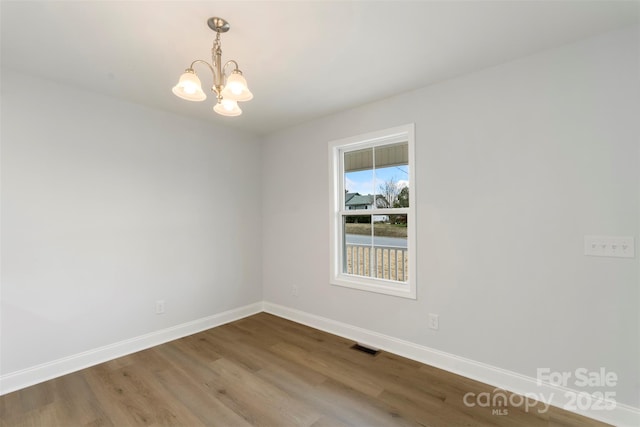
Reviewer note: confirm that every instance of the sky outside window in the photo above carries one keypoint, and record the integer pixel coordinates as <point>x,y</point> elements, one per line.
<point>362,181</point>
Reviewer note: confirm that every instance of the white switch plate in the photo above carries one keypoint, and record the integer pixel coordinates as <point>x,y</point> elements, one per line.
<point>160,306</point>
<point>434,321</point>
<point>610,246</point>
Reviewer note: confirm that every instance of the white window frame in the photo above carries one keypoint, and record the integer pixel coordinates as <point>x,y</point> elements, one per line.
<point>337,149</point>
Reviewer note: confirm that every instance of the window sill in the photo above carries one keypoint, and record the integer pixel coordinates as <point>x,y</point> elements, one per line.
<point>375,285</point>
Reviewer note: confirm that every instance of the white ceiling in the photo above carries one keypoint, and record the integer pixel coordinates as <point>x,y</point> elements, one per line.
<point>302,59</point>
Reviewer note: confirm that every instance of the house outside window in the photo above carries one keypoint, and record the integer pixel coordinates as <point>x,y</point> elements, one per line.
<point>372,212</point>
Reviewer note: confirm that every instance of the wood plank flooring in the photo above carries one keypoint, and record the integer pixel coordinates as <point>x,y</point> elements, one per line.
<point>263,371</point>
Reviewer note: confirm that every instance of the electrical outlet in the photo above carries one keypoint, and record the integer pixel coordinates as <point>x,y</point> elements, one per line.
<point>160,306</point>
<point>434,322</point>
<point>294,290</point>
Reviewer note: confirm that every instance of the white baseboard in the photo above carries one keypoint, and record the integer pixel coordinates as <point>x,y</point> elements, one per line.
<point>46,371</point>
<point>621,415</point>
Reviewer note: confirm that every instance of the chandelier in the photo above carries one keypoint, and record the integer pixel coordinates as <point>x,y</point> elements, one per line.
<point>229,88</point>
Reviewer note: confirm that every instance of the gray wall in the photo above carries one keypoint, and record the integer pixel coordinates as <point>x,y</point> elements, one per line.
<point>514,165</point>
<point>108,206</point>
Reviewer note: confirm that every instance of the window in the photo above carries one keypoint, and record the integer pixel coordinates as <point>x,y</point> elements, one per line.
<point>372,199</point>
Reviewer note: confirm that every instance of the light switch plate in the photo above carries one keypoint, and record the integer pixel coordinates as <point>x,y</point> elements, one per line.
<point>610,246</point>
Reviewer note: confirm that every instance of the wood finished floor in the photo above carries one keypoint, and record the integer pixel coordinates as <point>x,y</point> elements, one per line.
<point>262,371</point>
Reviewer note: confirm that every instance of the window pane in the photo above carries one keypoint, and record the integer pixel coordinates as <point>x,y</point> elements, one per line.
<point>390,255</point>
<point>358,179</point>
<point>392,176</point>
<point>357,244</point>
<point>358,160</point>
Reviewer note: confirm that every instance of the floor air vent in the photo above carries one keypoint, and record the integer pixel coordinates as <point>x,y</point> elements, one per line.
<point>365,349</point>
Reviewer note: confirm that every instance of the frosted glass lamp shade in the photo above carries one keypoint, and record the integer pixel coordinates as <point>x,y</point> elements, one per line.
<point>236,88</point>
<point>227,107</point>
<point>189,87</point>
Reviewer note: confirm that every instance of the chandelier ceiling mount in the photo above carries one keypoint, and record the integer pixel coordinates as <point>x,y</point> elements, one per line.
<point>218,25</point>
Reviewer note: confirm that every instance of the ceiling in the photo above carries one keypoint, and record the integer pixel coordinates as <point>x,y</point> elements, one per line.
<point>302,59</point>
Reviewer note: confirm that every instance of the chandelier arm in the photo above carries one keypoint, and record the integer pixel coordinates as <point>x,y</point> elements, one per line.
<point>216,77</point>
<point>200,61</point>
<point>231,61</point>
